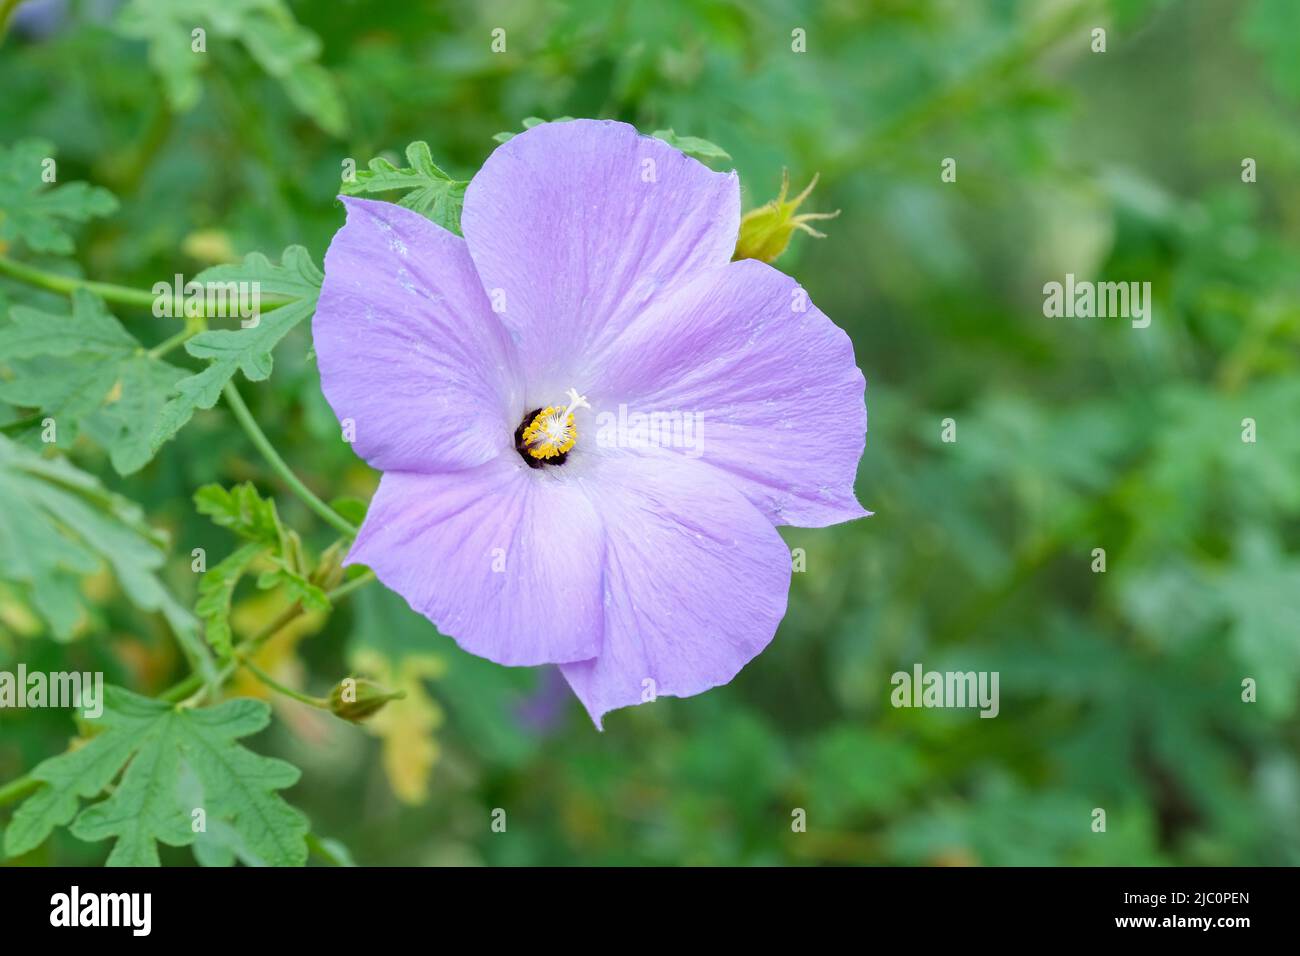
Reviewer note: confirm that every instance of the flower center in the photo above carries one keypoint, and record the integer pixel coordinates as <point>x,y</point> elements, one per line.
<point>547,435</point>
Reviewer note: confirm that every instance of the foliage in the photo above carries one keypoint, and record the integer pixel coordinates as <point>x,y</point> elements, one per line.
<point>177,761</point>
<point>425,187</point>
<point>254,519</point>
<point>87,372</point>
<point>60,524</point>
<point>1121,689</point>
<point>265,28</point>
<point>31,211</point>
<point>246,350</point>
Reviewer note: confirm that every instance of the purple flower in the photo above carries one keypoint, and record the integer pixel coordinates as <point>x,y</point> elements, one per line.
<point>589,419</point>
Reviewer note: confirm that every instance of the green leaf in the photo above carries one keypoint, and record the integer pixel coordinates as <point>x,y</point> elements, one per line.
<point>246,350</point>
<point>1261,594</point>
<point>311,88</point>
<point>243,511</point>
<point>59,524</point>
<point>176,760</point>
<point>91,375</point>
<point>701,149</point>
<point>529,123</point>
<point>216,590</point>
<point>253,518</point>
<point>428,190</point>
<point>298,586</point>
<point>267,29</point>
<point>34,214</point>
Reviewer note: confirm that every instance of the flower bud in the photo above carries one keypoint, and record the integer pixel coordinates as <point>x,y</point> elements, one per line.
<point>356,699</point>
<point>328,572</point>
<point>765,232</point>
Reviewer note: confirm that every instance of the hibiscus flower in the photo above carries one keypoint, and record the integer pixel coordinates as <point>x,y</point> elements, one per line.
<point>491,379</point>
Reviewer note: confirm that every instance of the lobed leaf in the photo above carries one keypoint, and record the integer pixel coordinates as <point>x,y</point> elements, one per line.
<point>33,211</point>
<point>700,149</point>
<point>428,190</point>
<point>89,374</point>
<point>243,511</point>
<point>253,518</point>
<point>172,761</point>
<point>246,350</point>
<point>216,590</point>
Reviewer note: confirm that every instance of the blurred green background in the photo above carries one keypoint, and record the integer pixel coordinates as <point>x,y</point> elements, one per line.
<point>1119,690</point>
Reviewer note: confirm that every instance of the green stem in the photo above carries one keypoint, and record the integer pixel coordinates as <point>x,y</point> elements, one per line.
<point>178,692</point>
<point>192,685</point>
<point>15,790</point>
<point>343,590</point>
<point>44,279</point>
<point>172,342</point>
<point>295,610</point>
<point>108,291</point>
<point>263,445</point>
<point>318,702</point>
<point>126,177</point>
<point>268,631</point>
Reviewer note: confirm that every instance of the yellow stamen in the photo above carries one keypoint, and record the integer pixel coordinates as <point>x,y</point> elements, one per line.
<point>552,432</point>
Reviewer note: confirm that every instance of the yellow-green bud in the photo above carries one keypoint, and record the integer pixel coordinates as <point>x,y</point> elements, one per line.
<point>328,572</point>
<point>765,232</point>
<point>356,699</point>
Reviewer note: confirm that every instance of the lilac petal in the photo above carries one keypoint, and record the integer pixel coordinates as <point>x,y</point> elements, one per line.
<point>777,391</point>
<point>502,558</point>
<point>695,582</point>
<point>408,346</point>
<point>575,226</point>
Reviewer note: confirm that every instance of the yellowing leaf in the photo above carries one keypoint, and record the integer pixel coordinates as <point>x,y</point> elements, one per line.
<point>406,726</point>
